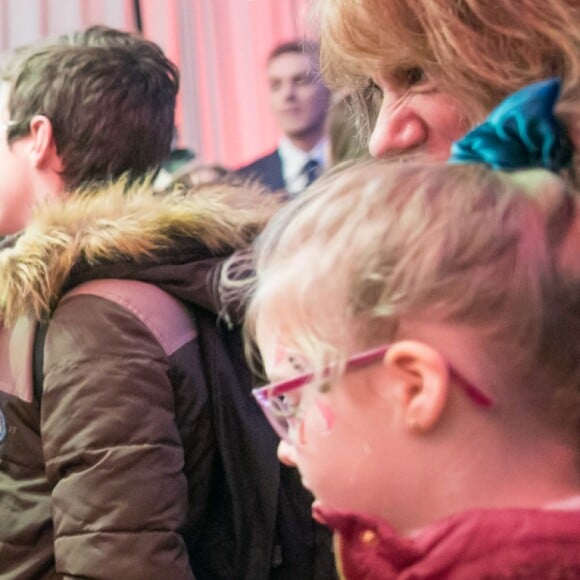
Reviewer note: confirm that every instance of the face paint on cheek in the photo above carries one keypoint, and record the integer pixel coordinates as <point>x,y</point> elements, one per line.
<point>327,414</point>
<point>328,418</point>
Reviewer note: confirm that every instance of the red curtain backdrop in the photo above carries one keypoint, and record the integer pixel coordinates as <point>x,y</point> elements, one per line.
<point>220,47</point>
<point>25,21</point>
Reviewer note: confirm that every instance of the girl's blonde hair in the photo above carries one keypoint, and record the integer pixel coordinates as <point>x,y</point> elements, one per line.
<point>479,51</point>
<point>382,243</point>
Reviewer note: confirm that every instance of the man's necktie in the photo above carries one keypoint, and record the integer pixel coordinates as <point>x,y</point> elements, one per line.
<point>312,170</point>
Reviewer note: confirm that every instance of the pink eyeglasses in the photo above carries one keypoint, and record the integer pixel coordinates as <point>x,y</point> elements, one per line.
<point>282,412</point>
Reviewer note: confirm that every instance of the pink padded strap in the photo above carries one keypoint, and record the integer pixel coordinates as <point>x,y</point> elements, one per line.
<point>167,318</point>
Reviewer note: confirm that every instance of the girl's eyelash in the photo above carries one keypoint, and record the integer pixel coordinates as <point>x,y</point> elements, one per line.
<point>285,407</point>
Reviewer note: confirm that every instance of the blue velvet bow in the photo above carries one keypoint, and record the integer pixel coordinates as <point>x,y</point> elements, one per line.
<point>521,132</point>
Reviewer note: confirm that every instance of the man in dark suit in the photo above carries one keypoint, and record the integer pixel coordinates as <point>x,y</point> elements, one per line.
<point>299,101</point>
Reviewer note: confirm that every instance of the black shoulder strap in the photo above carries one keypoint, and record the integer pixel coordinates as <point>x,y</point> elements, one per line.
<point>38,360</point>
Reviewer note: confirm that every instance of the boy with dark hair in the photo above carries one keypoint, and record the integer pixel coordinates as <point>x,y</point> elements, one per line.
<point>91,112</point>
<point>129,444</point>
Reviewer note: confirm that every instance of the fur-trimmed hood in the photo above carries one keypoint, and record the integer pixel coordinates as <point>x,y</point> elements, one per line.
<point>172,240</point>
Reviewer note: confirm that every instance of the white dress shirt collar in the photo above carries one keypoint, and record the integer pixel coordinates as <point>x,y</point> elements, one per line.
<point>294,160</point>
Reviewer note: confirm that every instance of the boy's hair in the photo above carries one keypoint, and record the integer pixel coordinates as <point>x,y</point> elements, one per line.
<point>100,35</point>
<point>480,52</point>
<point>380,244</point>
<point>110,100</point>
<point>305,46</point>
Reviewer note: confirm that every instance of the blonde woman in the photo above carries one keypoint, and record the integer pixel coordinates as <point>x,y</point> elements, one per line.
<point>436,68</point>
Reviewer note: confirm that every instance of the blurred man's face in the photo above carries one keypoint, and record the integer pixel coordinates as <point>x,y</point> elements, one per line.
<point>298,96</point>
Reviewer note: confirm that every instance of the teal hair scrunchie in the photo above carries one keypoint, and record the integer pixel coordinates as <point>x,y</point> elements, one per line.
<point>521,132</point>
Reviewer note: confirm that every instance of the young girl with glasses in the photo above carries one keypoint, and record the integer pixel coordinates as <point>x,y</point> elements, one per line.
<point>421,326</point>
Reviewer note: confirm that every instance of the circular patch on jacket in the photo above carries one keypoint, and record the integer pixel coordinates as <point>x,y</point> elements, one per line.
<point>3,428</point>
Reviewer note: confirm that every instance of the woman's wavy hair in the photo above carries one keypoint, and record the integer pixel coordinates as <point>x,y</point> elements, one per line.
<point>479,51</point>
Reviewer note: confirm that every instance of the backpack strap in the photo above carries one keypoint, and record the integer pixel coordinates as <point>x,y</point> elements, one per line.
<point>38,360</point>
<point>165,316</point>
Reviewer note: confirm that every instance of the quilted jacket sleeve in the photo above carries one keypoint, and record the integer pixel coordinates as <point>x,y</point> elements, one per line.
<point>112,448</point>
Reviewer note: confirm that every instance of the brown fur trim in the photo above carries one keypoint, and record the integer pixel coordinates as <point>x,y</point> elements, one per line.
<point>98,224</point>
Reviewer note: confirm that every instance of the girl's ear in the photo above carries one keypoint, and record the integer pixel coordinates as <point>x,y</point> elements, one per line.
<point>422,383</point>
<point>43,148</point>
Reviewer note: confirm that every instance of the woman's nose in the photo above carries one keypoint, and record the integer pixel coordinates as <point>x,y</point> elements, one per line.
<point>398,129</point>
<point>287,454</point>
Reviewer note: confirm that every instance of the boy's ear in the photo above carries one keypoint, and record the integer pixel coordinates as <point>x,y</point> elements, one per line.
<point>43,148</point>
<point>422,383</point>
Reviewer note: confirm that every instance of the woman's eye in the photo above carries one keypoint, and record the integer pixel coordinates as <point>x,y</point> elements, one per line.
<point>415,76</point>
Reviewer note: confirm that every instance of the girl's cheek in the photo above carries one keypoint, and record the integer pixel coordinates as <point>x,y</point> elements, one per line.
<point>302,433</point>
